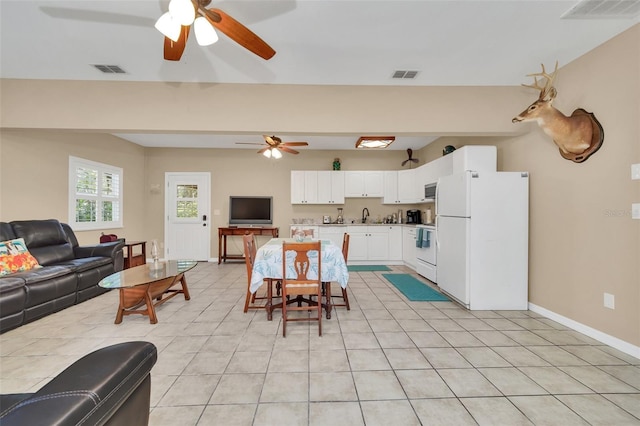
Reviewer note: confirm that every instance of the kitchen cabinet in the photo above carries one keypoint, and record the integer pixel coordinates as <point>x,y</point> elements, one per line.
<point>333,233</point>
<point>368,243</point>
<point>409,246</point>
<point>317,187</point>
<point>395,242</point>
<point>304,187</point>
<point>407,190</point>
<point>436,169</point>
<point>477,158</point>
<point>400,187</point>
<point>330,187</point>
<point>361,184</point>
<point>391,187</point>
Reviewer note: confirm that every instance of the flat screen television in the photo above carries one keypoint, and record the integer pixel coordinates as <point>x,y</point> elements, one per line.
<point>250,210</point>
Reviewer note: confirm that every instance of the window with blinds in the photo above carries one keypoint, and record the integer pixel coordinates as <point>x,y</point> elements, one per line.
<point>95,195</point>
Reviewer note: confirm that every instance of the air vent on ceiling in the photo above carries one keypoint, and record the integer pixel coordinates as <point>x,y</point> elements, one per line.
<point>404,74</point>
<point>604,9</point>
<point>110,69</point>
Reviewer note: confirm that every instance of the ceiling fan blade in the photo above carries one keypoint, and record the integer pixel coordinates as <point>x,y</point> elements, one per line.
<point>263,150</point>
<point>405,162</point>
<point>295,144</point>
<point>289,150</point>
<point>173,49</point>
<point>415,160</point>
<point>248,143</point>
<point>238,33</point>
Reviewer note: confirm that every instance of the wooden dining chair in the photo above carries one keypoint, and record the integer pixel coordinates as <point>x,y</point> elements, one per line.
<point>344,296</point>
<point>298,258</point>
<point>249,243</point>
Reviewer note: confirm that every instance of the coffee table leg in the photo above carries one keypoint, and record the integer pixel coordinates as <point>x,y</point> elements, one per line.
<point>120,312</point>
<point>151,311</point>
<point>185,289</point>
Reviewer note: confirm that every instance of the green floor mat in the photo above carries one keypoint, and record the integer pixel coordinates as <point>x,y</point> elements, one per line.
<point>367,268</point>
<point>414,289</point>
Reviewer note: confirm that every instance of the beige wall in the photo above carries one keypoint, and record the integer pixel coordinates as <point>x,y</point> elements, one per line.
<point>34,176</point>
<point>582,240</point>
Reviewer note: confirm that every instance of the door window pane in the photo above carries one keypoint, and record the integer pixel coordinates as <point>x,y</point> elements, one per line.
<point>187,209</point>
<point>187,191</point>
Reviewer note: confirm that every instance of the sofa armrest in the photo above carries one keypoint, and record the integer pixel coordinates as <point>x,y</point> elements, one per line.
<point>110,384</point>
<point>110,249</point>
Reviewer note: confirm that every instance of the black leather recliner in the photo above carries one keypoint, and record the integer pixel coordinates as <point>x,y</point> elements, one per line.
<point>111,386</point>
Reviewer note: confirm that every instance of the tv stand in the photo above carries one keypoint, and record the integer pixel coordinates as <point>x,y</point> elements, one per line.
<point>223,233</point>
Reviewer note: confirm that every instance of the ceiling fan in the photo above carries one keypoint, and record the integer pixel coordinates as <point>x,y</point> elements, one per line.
<point>274,146</point>
<point>176,23</point>
<point>410,159</point>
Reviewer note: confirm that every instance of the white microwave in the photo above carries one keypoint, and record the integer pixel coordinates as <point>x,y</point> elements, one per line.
<point>430,191</point>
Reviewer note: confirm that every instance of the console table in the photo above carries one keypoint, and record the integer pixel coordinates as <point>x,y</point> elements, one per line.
<point>224,232</point>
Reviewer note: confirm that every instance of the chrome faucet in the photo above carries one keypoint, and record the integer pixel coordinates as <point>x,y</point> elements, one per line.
<point>364,217</point>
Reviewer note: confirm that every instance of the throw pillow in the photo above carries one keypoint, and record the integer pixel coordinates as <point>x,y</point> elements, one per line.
<point>15,257</point>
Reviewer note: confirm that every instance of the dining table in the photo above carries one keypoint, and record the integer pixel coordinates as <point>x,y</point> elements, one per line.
<point>267,267</point>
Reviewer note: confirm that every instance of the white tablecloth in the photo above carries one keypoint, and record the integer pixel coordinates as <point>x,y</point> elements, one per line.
<point>268,264</point>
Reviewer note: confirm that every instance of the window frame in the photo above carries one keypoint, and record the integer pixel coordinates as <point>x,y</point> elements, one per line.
<point>101,169</point>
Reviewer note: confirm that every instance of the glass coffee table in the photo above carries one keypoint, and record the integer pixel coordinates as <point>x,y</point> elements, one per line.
<point>148,285</point>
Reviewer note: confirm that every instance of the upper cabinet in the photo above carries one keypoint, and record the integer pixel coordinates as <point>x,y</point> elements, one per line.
<point>400,187</point>
<point>363,184</point>
<point>391,187</point>
<point>477,158</point>
<point>317,187</point>
<point>331,187</point>
<point>394,186</point>
<point>436,169</point>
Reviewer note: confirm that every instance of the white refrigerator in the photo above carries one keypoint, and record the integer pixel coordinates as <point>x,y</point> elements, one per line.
<point>482,221</point>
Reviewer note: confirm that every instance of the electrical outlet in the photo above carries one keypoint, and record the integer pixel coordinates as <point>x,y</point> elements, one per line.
<point>635,171</point>
<point>635,211</point>
<point>609,301</point>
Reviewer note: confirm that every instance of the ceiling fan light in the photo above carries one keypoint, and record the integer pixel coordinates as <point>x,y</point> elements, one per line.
<point>182,11</point>
<point>168,26</point>
<point>205,34</point>
<point>267,153</point>
<point>276,153</point>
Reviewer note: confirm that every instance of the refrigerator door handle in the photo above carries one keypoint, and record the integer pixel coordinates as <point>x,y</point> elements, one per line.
<point>437,234</point>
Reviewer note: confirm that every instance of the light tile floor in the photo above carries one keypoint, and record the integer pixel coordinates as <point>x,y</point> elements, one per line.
<point>387,361</point>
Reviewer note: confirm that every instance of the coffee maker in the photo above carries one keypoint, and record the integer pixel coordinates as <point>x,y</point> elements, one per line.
<point>413,216</point>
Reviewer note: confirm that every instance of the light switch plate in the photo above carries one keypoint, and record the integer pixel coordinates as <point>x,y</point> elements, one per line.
<point>635,171</point>
<point>635,211</point>
<point>609,301</point>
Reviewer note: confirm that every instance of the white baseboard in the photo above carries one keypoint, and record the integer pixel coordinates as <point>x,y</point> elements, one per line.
<point>607,339</point>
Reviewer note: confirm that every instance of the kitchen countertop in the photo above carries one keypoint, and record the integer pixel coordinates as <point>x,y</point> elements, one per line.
<point>354,224</point>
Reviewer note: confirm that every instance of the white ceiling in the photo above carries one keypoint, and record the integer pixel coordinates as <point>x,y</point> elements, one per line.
<point>340,42</point>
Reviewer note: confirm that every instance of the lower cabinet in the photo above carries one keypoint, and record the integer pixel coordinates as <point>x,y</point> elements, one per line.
<point>368,243</point>
<point>333,233</point>
<point>409,246</point>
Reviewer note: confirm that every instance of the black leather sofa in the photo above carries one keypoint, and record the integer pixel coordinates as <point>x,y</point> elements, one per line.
<point>70,273</point>
<point>111,386</point>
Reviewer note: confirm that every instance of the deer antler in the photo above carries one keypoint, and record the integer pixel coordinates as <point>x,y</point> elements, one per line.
<point>548,88</point>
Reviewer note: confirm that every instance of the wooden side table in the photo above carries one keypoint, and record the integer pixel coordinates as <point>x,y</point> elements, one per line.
<point>135,256</point>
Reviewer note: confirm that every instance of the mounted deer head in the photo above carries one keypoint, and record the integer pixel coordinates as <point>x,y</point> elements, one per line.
<point>577,136</point>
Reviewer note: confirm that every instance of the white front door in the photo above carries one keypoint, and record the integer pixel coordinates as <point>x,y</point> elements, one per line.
<point>187,216</point>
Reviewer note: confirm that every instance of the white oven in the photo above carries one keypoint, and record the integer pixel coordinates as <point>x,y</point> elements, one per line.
<point>426,251</point>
